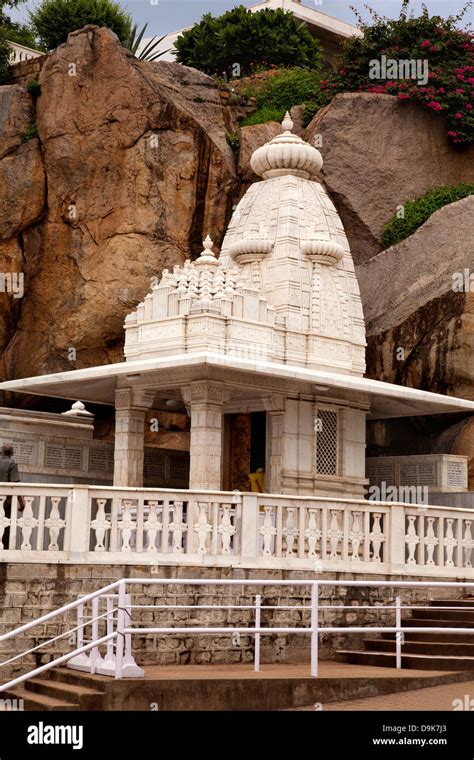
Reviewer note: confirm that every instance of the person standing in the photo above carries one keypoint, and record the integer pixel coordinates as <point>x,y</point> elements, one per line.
<point>9,473</point>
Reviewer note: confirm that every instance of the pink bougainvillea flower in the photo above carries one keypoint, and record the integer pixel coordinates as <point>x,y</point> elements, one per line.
<point>458,115</point>
<point>426,43</point>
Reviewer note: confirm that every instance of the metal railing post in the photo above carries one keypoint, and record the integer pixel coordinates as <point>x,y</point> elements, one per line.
<point>120,639</point>
<point>399,633</point>
<point>95,656</point>
<point>258,605</point>
<point>314,629</point>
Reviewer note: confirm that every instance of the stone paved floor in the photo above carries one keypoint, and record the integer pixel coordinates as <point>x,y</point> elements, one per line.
<point>436,698</point>
<point>326,670</point>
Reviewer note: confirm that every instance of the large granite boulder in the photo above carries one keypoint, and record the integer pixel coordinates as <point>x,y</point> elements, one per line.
<point>420,325</point>
<point>379,153</point>
<point>138,170</point>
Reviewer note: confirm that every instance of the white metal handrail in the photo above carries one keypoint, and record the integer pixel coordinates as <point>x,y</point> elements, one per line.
<point>119,658</point>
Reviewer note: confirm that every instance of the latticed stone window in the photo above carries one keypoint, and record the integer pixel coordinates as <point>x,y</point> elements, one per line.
<point>327,443</point>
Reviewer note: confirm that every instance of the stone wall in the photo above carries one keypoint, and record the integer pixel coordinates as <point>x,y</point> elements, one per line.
<point>28,591</point>
<point>24,71</point>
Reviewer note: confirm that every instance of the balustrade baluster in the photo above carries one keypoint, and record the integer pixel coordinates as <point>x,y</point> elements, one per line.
<point>412,539</point>
<point>312,533</point>
<point>54,523</point>
<point>100,525</point>
<point>27,522</point>
<point>226,529</point>
<point>450,542</point>
<point>152,526</point>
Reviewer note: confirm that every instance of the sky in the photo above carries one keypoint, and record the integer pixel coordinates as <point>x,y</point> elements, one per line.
<point>170,15</point>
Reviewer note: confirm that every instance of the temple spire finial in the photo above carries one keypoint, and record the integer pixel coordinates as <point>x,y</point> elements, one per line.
<point>287,122</point>
<point>207,255</point>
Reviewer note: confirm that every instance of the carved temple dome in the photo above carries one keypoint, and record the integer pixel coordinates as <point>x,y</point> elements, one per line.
<point>286,154</point>
<point>284,286</point>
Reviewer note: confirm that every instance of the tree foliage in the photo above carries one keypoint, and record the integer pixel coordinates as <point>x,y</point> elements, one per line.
<point>240,41</point>
<point>53,20</point>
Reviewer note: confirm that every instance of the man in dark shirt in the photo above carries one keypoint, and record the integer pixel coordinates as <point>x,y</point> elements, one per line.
<point>9,474</point>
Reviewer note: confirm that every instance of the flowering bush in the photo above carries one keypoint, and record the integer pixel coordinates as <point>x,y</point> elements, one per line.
<point>448,50</point>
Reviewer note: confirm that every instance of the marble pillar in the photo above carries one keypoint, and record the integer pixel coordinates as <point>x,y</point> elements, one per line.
<point>130,409</point>
<point>204,401</point>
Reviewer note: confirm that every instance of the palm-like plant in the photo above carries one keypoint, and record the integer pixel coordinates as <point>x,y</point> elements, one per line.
<point>148,53</point>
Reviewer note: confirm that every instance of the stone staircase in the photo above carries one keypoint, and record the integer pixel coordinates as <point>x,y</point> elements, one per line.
<point>59,689</point>
<point>424,651</point>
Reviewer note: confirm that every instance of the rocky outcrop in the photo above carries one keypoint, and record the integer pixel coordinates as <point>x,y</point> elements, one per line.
<point>138,169</point>
<point>420,329</point>
<point>23,193</point>
<point>251,138</point>
<point>378,153</point>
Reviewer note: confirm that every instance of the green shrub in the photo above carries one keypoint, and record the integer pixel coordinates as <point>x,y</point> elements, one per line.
<point>448,50</point>
<point>262,115</point>
<point>53,20</point>
<point>282,90</point>
<point>417,211</point>
<point>30,133</point>
<point>233,140</point>
<point>34,88</point>
<point>4,56</point>
<point>311,107</point>
<point>240,41</point>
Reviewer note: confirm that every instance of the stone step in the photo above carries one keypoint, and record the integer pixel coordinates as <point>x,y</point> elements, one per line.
<point>468,602</point>
<point>35,701</point>
<point>85,697</point>
<point>421,647</point>
<point>446,614</point>
<point>410,661</point>
<point>454,638</point>
<point>77,678</point>
<point>432,622</point>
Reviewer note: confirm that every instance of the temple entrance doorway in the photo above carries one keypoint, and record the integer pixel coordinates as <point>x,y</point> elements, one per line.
<point>244,450</point>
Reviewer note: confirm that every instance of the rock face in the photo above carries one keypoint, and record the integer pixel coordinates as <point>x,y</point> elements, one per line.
<point>251,138</point>
<point>23,193</point>
<point>420,331</point>
<point>378,153</point>
<point>138,169</point>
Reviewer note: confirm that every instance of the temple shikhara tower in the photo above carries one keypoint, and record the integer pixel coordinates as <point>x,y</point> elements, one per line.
<point>283,292</point>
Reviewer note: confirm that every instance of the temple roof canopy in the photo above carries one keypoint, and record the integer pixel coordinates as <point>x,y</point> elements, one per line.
<point>167,374</point>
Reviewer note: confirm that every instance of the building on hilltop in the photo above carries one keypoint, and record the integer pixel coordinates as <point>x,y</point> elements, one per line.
<point>330,31</point>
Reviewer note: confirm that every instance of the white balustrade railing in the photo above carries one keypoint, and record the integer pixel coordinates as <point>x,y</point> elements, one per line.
<point>107,525</point>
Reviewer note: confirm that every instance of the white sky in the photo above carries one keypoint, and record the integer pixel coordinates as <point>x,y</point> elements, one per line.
<point>169,15</point>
